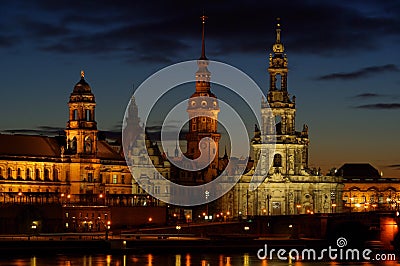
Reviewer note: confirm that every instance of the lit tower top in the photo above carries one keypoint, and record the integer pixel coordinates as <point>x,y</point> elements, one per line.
<point>203,45</point>
<point>278,65</point>
<point>278,47</point>
<point>81,131</point>
<point>203,112</point>
<point>203,76</point>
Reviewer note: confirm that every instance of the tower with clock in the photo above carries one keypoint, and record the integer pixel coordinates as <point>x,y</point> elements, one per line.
<point>203,137</point>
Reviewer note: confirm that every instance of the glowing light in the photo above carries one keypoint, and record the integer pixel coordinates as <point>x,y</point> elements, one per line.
<point>150,219</point>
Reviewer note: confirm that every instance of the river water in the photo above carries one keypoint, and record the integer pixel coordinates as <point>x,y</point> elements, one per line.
<point>161,260</point>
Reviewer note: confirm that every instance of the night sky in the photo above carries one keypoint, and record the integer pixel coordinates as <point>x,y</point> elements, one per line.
<point>343,60</point>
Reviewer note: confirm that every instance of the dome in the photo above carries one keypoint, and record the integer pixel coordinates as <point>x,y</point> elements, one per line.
<point>82,91</point>
<point>82,86</point>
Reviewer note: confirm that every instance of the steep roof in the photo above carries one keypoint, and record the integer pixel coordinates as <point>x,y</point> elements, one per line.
<point>106,152</point>
<point>358,170</point>
<point>30,145</point>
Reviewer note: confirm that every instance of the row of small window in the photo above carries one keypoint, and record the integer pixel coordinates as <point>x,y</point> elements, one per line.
<point>363,199</point>
<point>67,215</point>
<point>28,174</point>
<point>113,181</point>
<point>203,103</point>
<point>10,189</point>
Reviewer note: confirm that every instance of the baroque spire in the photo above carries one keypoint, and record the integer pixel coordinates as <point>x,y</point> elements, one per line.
<point>203,76</point>
<point>278,47</point>
<point>203,45</point>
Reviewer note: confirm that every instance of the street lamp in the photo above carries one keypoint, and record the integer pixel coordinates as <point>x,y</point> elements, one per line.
<point>298,207</point>
<point>178,228</point>
<point>108,227</point>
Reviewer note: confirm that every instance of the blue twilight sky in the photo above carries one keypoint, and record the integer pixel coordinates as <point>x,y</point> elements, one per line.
<point>343,59</point>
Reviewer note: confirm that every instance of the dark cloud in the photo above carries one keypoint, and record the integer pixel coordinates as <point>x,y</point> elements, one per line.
<point>395,166</point>
<point>361,73</point>
<point>40,130</point>
<point>161,31</point>
<point>40,29</point>
<point>8,41</point>
<point>368,95</point>
<point>380,106</point>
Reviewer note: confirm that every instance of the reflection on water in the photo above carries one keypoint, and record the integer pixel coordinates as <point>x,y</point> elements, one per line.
<point>191,259</point>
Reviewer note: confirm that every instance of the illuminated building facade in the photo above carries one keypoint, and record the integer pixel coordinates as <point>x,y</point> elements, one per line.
<point>366,190</point>
<point>77,169</point>
<point>289,187</point>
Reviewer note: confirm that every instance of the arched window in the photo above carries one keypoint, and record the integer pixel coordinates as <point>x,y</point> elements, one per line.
<point>75,115</point>
<point>9,173</point>
<point>88,145</point>
<point>28,173</point>
<point>278,124</point>
<point>46,174</point>
<point>87,114</point>
<point>55,175</point>
<point>37,174</point>
<point>277,160</point>
<point>278,82</point>
<point>73,145</point>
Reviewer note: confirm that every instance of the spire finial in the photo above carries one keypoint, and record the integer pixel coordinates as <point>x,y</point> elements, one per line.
<point>203,46</point>
<point>278,30</point>
<point>278,46</point>
<point>82,74</point>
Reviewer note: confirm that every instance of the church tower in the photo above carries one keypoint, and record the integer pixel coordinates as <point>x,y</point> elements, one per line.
<point>81,129</point>
<point>287,186</point>
<point>291,156</point>
<point>203,112</point>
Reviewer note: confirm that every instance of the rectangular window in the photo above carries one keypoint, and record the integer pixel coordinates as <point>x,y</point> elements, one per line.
<point>115,179</point>
<point>122,179</point>
<point>157,189</point>
<point>90,177</point>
